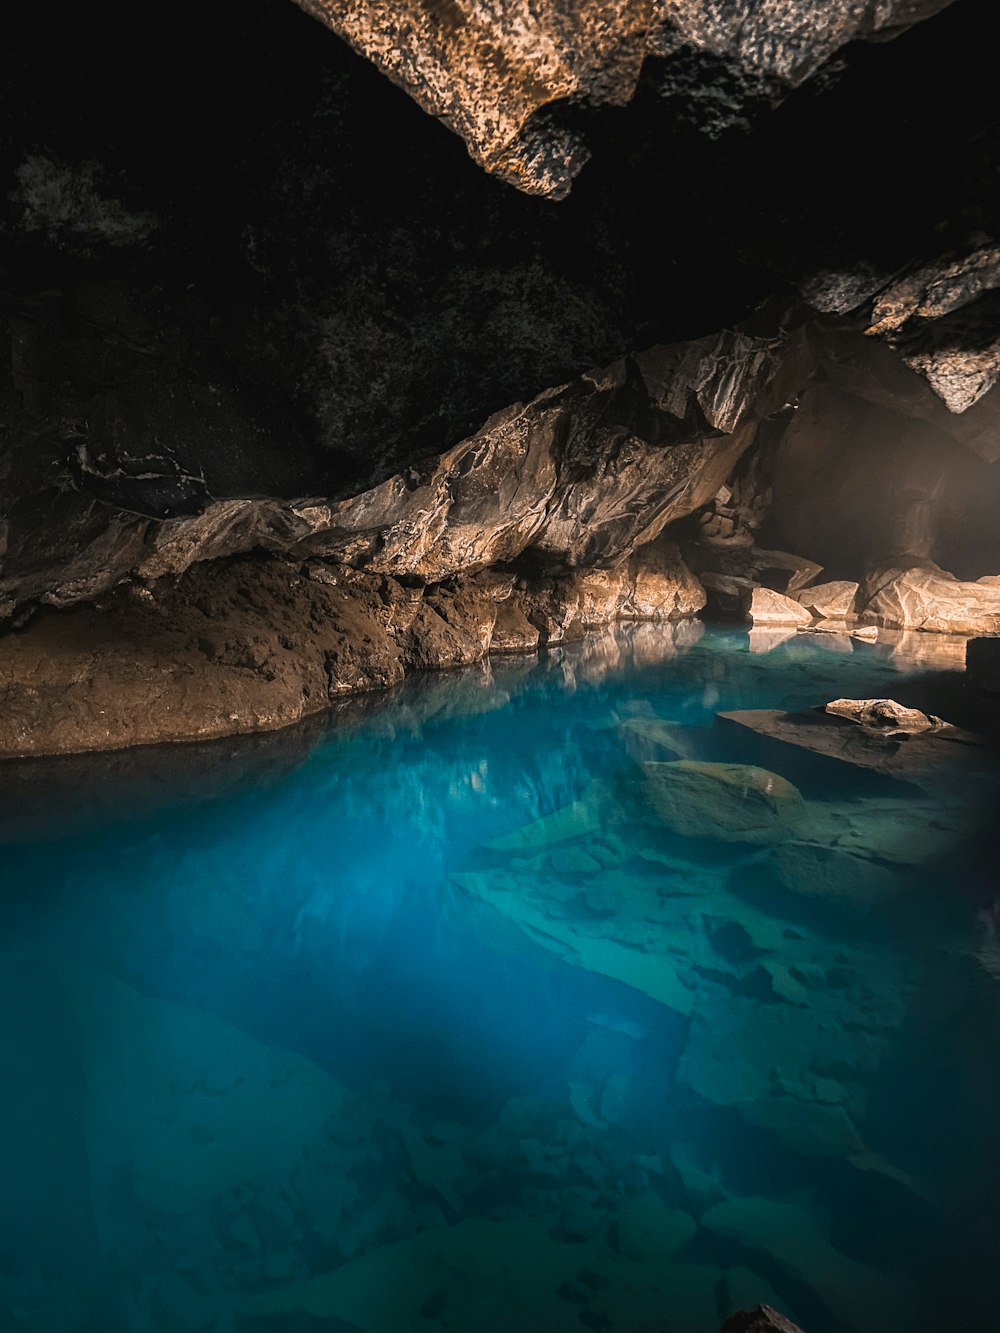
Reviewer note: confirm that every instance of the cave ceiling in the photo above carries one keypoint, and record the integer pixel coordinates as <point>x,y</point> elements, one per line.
<point>239,262</point>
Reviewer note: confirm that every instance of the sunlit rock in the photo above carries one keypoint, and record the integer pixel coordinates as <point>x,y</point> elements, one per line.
<point>829,601</point>
<point>926,597</point>
<point>498,76</point>
<point>733,802</point>
<point>768,608</point>
<point>932,758</point>
<point>885,715</point>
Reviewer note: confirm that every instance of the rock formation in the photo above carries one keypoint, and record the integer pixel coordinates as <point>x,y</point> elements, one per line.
<point>288,348</point>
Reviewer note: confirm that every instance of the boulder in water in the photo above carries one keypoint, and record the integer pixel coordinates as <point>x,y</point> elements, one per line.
<point>732,802</point>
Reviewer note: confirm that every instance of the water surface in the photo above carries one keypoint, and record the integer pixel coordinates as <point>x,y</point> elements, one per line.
<point>425,1021</point>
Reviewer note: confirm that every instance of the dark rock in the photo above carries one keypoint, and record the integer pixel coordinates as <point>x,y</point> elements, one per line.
<point>734,802</point>
<point>762,1319</point>
<point>492,74</point>
<point>929,758</point>
<point>982,664</point>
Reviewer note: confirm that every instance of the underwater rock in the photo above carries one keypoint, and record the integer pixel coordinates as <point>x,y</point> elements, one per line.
<point>854,1296</point>
<point>773,608</point>
<point>829,601</point>
<point>762,1318</point>
<point>184,1105</point>
<point>933,759</point>
<point>732,802</point>
<point>504,1275</point>
<point>838,876</point>
<point>925,597</point>
<point>624,944</point>
<point>646,738</point>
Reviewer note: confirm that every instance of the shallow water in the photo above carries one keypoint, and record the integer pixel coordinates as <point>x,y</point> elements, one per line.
<point>328,1032</point>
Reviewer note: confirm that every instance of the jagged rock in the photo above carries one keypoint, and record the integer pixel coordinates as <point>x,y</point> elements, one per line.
<point>782,572</point>
<point>926,597</point>
<point>761,1319</point>
<point>767,608</point>
<point>916,314</point>
<point>494,74</point>
<point>734,802</point>
<point>829,601</point>
<point>982,663</point>
<point>884,715</point>
<point>854,1296</point>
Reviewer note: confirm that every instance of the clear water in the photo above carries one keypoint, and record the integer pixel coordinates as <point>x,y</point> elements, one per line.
<point>301,1034</point>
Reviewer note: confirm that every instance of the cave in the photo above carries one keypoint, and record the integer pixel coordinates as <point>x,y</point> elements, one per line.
<point>499,606</point>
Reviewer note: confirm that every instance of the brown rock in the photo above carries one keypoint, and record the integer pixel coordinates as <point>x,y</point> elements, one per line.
<point>931,759</point>
<point>926,597</point>
<point>884,715</point>
<point>829,601</point>
<point>491,71</point>
<point>782,571</point>
<point>773,608</point>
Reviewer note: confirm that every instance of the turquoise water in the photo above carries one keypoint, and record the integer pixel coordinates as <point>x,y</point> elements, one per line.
<point>432,1020</point>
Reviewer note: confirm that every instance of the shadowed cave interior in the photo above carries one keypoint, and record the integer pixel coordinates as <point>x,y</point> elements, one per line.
<point>498,693</point>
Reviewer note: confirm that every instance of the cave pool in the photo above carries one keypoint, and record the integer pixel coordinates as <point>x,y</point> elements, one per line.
<point>416,1019</point>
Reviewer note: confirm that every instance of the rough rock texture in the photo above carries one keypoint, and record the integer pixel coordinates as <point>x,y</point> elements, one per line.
<point>772,608</point>
<point>926,597</point>
<point>829,601</point>
<point>580,476</point>
<point>732,802</point>
<point>275,311</point>
<point>256,644</point>
<point>490,72</point>
<point>762,1319</point>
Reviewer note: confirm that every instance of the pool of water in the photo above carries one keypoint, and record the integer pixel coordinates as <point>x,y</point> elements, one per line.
<point>435,1018</point>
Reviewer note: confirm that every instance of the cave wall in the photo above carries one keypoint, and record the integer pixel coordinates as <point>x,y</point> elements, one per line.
<point>858,485</point>
<point>257,306</point>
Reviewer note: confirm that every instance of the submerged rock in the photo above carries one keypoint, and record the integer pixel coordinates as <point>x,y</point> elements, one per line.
<point>932,758</point>
<point>854,1296</point>
<point>732,802</point>
<point>761,1319</point>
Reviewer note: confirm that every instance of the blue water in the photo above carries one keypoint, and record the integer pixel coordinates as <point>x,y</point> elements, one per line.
<point>301,1033</point>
